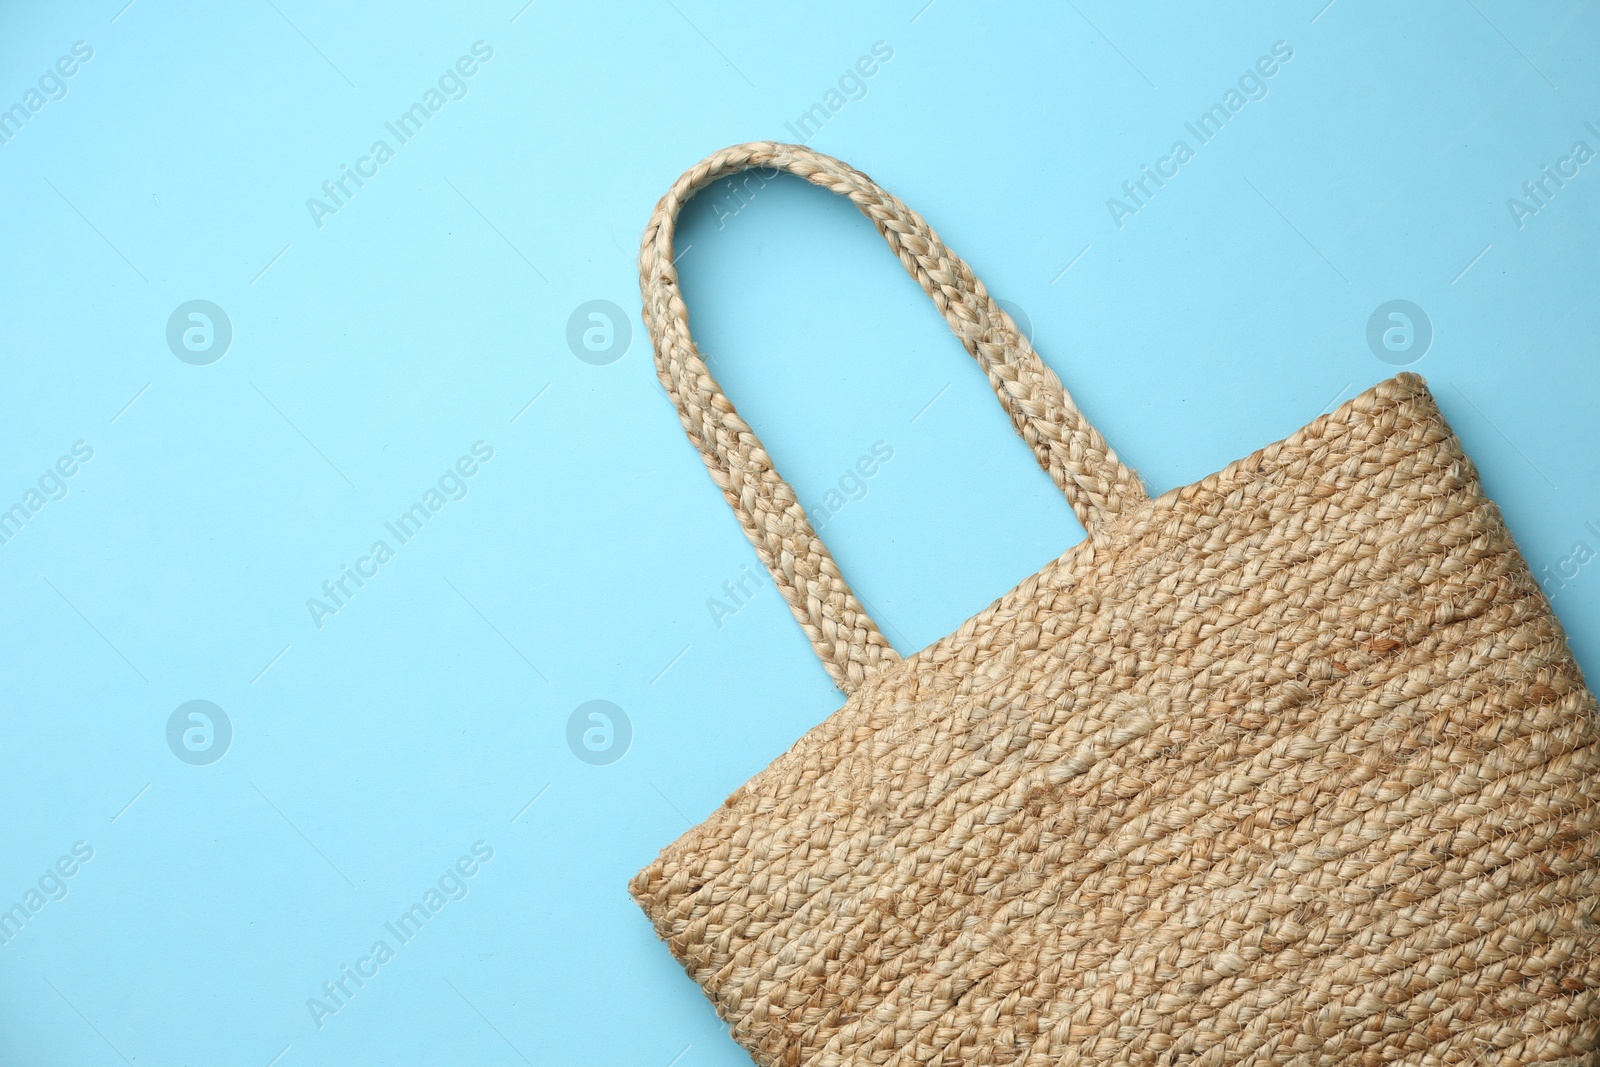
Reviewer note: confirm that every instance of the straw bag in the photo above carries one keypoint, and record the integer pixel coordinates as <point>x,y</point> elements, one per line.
<point>1290,765</point>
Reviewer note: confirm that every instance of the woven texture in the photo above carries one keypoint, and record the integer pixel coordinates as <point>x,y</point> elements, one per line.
<point>1288,766</point>
<point>1077,458</point>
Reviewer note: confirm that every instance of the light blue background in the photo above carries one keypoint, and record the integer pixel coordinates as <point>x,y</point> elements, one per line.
<point>370,353</point>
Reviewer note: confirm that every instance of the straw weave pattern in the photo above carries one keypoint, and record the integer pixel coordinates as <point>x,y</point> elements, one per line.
<point>1291,765</point>
<point>1064,443</point>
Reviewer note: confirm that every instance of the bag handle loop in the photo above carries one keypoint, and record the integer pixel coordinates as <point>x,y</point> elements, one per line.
<point>1096,483</point>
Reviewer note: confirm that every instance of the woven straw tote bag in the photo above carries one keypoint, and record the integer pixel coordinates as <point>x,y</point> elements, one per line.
<point>1291,765</point>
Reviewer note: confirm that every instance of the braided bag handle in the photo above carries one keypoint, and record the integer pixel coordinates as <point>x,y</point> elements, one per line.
<point>1077,458</point>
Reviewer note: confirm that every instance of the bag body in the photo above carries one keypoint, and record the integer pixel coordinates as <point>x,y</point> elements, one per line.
<point>1291,765</point>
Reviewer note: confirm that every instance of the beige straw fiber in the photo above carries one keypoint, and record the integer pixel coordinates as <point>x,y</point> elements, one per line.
<point>1291,765</point>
